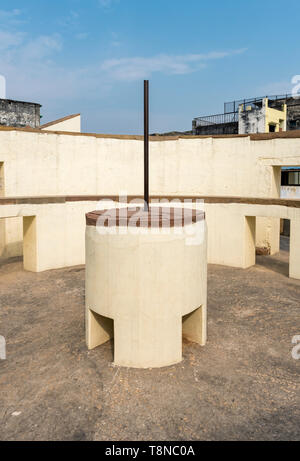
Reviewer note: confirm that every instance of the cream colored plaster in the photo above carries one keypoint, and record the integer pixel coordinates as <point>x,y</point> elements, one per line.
<point>44,163</point>
<point>146,283</point>
<point>72,124</point>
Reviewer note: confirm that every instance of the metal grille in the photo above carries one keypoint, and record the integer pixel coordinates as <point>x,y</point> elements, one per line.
<point>233,106</point>
<point>217,119</point>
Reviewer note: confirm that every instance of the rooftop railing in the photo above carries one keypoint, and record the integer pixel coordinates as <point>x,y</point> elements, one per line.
<point>233,106</point>
<point>217,119</point>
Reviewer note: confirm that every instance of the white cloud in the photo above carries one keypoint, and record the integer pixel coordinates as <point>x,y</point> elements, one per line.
<point>33,71</point>
<point>10,40</point>
<point>41,47</point>
<point>28,65</point>
<point>115,40</point>
<point>8,14</point>
<point>82,35</point>
<point>106,3</point>
<point>130,69</point>
<point>11,17</point>
<point>69,21</point>
<point>274,88</point>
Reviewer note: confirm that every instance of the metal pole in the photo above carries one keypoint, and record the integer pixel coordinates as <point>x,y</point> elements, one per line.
<point>146,144</point>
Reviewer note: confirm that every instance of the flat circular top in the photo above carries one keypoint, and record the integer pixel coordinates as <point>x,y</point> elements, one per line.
<point>137,217</point>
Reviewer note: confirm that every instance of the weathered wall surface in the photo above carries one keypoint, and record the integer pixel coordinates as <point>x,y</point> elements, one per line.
<point>220,128</point>
<point>258,120</point>
<point>19,114</point>
<point>39,163</point>
<point>293,114</point>
<point>252,121</point>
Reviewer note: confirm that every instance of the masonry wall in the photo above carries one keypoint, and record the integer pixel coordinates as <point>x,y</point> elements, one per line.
<point>293,114</point>
<point>44,163</point>
<point>219,128</point>
<point>276,117</point>
<point>252,121</point>
<point>19,114</point>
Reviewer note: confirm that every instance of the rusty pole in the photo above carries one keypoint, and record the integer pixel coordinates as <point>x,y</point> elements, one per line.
<point>146,145</point>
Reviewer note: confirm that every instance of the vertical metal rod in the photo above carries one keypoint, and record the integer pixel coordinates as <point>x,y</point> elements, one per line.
<point>146,144</point>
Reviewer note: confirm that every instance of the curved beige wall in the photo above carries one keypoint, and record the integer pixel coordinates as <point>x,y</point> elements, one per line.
<point>146,283</point>
<point>44,163</point>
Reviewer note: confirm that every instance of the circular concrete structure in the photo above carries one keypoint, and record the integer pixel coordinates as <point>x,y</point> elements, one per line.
<point>146,279</point>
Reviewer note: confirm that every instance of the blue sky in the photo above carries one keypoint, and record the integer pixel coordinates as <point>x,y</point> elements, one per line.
<point>92,56</point>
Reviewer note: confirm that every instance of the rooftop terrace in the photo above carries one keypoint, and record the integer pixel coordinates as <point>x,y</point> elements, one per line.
<point>243,385</point>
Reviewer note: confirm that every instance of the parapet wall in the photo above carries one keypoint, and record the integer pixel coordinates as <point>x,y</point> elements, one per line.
<point>54,227</point>
<point>48,163</point>
<point>41,162</point>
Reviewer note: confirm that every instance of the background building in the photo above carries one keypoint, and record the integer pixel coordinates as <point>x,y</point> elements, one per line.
<point>19,114</point>
<point>256,115</point>
<point>290,182</point>
<point>262,117</point>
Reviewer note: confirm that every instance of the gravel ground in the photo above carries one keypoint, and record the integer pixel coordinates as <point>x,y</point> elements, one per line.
<point>243,385</point>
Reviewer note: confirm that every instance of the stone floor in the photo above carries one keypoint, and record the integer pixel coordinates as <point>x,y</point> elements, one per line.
<point>243,385</point>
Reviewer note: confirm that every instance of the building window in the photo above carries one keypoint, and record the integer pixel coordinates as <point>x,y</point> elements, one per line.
<point>290,178</point>
<point>294,178</point>
<point>272,128</point>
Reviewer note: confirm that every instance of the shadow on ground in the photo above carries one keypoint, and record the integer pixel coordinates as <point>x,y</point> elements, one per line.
<point>277,263</point>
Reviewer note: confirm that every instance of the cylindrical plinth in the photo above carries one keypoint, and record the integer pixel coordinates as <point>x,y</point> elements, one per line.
<point>146,278</point>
